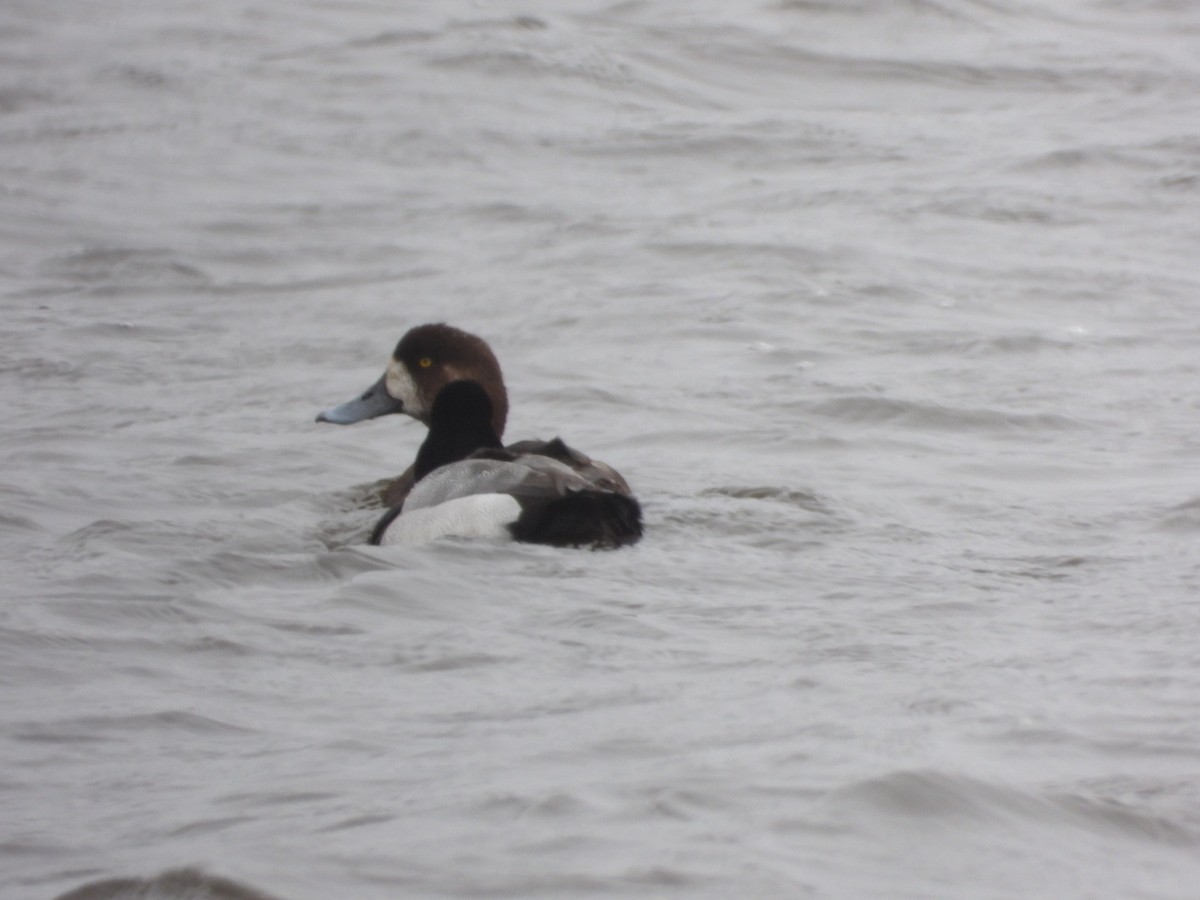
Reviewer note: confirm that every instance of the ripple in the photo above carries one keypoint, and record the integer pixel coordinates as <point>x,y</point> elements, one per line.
<point>449,662</point>
<point>127,266</point>
<point>934,416</point>
<point>803,499</point>
<point>174,884</point>
<point>1182,518</point>
<point>101,728</point>
<point>945,798</point>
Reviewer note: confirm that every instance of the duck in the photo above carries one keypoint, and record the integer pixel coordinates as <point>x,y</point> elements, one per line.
<point>468,484</point>
<point>427,360</point>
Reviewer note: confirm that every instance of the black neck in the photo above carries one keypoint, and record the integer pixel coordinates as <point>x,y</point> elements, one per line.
<point>460,423</point>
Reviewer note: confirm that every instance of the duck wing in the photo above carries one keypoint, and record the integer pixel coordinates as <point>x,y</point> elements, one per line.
<point>597,474</point>
<point>484,473</point>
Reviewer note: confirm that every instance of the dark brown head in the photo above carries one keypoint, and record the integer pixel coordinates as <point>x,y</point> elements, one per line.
<point>428,358</point>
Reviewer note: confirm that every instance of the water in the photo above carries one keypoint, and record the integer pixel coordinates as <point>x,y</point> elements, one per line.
<point>887,311</point>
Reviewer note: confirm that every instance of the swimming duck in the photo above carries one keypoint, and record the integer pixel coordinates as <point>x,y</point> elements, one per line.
<point>426,360</point>
<point>468,484</point>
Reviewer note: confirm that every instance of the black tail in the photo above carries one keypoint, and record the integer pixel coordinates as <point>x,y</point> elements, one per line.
<point>597,519</point>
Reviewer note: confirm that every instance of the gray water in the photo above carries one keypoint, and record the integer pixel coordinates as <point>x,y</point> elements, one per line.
<point>889,311</point>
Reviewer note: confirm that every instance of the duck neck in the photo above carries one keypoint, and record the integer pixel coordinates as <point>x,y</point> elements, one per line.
<point>442,447</point>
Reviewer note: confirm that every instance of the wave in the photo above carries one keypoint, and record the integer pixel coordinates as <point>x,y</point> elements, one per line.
<point>936,416</point>
<point>174,884</point>
<point>937,797</point>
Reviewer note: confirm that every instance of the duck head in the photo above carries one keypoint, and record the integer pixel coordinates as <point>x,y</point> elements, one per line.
<point>427,358</point>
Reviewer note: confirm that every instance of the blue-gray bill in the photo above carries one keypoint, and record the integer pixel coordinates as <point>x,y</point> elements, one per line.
<point>375,402</point>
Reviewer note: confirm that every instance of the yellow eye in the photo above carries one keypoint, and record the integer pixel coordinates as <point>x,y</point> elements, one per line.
<point>425,362</point>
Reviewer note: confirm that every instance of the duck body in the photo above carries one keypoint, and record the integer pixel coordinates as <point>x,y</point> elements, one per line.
<point>425,360</point>
<point>528,498</point>
<point>467,485</point>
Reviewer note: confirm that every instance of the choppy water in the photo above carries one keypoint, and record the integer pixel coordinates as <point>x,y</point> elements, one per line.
<point>889,311</point>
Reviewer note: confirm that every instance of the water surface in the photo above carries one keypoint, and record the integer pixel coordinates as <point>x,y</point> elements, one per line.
<point>887,311</point>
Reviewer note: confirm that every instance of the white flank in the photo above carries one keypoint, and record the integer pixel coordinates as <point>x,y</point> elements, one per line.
<point>476,516</point>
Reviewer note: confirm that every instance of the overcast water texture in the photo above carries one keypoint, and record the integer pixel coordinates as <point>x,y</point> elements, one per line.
<point>889,311</point>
